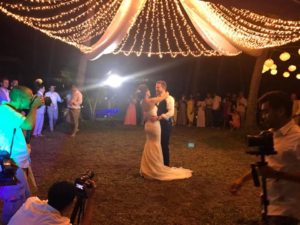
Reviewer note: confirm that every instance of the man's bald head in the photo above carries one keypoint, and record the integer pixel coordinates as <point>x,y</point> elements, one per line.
<point>21,97</point>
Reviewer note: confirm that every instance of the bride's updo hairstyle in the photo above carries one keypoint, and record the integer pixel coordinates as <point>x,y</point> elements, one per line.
<point>141,91</point>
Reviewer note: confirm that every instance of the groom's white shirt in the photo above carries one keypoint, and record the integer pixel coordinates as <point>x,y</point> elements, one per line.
<point>170,107</point>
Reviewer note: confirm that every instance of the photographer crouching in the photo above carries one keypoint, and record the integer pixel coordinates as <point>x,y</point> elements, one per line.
<point>282,170</point>
<point>14,189</point>
<point>61,197</point>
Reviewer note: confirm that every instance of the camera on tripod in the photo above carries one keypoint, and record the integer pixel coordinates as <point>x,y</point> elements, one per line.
<point>265,146</point>
<point>264,142</point>
<point>83,183</point>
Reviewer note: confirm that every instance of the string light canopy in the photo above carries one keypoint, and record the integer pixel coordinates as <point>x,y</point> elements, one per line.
<point>153,27</point>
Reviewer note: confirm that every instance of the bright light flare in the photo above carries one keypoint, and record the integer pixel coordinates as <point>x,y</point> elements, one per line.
<point>114,81</point>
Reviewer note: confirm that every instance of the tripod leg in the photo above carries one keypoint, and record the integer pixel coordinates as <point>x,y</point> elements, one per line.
<point>75,210</point>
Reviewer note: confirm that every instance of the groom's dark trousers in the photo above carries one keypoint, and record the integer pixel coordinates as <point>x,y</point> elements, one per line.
<point>166,126</point>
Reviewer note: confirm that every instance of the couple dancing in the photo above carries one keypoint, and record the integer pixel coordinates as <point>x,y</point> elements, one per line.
<point>157,113</point>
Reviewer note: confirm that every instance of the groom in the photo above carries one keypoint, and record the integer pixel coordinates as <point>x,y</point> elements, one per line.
<point>165,112</point>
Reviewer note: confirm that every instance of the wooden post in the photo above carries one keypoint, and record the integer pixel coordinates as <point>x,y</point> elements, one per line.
<point>253,91</point>
<point>81,72</point>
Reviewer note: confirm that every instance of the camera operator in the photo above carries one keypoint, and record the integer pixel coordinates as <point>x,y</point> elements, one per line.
<point>11,124</point>
<point>60,200</point>
<point>283,169</point>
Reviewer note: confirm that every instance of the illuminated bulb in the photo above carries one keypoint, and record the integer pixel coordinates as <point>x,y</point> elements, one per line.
<point>265,69</point>
<point>292,68</point>
<point>273,72</point>
<point>286,74</point>
<point>299,51</point>
<point>273,67</point>
<point>284,56</point>
<point>269,62</point>
<point>298,76</point>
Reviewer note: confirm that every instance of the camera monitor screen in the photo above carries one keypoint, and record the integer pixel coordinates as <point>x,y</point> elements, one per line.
<point>79,186</point>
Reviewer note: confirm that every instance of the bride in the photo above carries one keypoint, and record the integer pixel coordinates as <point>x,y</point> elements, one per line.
<point>152,166</point>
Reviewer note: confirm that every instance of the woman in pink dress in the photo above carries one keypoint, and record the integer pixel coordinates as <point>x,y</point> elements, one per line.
<point>130,117</point>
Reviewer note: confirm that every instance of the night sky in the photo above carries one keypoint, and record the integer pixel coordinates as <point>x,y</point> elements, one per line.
<point>27,54</point>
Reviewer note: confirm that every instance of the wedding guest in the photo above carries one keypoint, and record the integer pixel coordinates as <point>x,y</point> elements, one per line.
<point>190,112</point>
<point>241,107</point>
<point>181,117</point>
<point>208,110</point>
<point>216,110</point>
<point>74,101</point>
<point>130,117</point>
<point>235,121</point>
<point>14,83</point>
<point>201,113</point>
<point>52,109</point>
<point>40,114</point>
<point>4,92</point>
<point>226,111</point>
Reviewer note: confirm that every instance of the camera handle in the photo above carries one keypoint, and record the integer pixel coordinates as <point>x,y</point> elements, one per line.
<point>263,184</point>
<point>78,210</point>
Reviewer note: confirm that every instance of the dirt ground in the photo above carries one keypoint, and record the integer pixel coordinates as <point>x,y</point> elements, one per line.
<point>113,152</point>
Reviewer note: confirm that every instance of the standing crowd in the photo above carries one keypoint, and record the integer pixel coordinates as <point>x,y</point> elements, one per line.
<point>213,111</point>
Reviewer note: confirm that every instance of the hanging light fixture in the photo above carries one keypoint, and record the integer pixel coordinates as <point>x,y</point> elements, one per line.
<point>269,62</point>
<point>286,74</point>
<point>299,51</point>
<point>274,72</point>
<point>265,69</point>
<point>298,76</point>
<point>273,67</point>
<point>292,68</point>
<point>285,56</point>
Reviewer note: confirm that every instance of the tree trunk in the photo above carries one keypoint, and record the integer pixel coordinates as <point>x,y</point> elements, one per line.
<point>253,91</point>
<point>81,72</point>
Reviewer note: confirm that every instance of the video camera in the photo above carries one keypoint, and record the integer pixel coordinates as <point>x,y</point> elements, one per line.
<point>264,142</point>
<point>82,183</point>
<point>7,170</point>
<point>47,100</point>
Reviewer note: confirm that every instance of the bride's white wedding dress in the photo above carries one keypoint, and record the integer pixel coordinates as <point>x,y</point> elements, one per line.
<point>152,166</point>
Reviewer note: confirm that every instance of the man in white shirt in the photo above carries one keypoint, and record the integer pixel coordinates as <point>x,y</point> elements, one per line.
<point>241,105</point>
<point>40,114</point>
<point>11,126</point>
<point>165,112</point>
<point>52,109</point>
<point>283,169</point>
<point>60,200</point>
<point>74,101</point>
<point>4,92</point>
